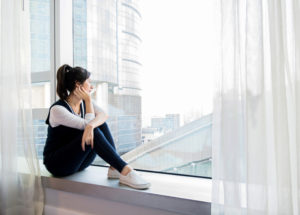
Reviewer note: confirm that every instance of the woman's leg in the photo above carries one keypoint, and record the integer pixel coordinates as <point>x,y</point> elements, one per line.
<point>68,159</point>
<point>91,157</point>
<point>106,149</point>
<point>105,129</point>
<point>88,160</point>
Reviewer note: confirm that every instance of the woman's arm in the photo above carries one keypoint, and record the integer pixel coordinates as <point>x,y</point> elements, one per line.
<point>89,106</point>
<point>98,120</point>
<point>97,109</point>
<point>99,117</point>
<point>59,115</point>
<point>82,93</point>
<point>88,134</point>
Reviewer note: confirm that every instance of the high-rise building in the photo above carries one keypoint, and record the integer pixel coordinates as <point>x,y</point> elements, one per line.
<point>106,42</point>
<point>167,123</point>
<point>172,121</point>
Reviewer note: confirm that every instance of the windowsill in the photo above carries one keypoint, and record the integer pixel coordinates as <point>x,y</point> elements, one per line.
<point>180,194</point>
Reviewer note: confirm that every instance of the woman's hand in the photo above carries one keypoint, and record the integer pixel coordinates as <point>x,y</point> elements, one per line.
<point>82,93</point>
<point>88,137</point>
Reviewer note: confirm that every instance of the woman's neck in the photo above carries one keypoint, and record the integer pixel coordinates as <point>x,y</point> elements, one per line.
<point>73,100</point>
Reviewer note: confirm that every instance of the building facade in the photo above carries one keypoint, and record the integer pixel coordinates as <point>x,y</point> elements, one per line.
<point>106,42</point>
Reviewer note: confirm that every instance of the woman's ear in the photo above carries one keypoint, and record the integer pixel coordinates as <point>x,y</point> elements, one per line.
<point>77,84</point>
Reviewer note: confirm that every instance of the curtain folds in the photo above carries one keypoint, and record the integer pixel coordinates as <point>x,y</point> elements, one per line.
<point>21,191</point>
<point>256,123</point>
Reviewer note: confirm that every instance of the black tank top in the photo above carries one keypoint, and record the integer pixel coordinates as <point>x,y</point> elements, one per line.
<point>60,135</point>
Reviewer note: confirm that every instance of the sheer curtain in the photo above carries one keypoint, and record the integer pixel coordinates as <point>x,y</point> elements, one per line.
<point>256,133</point>
<point>20,182</point>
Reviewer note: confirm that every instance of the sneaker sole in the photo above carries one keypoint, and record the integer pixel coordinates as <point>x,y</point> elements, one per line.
<point>141,187</point>
<point>113,177</point>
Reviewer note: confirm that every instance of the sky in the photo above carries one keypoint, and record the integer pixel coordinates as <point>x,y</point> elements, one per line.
<point>178,54</point>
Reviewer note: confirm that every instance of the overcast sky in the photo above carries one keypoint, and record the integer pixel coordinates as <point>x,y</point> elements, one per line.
<point>178,56</point>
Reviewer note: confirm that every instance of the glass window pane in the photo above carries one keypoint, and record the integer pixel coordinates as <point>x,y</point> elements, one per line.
<point>41,95</point>
<point>40,67</point>
<point>153,76</point>
<point>40,35</point>
<point>40,135</point>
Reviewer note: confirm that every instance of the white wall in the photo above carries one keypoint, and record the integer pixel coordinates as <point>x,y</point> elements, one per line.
<point>65,203</point>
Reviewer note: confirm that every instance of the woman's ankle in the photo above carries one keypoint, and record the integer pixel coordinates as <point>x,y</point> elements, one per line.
<point>126,170</point>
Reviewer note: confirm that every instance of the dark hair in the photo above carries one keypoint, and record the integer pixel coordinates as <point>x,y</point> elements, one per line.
<point>67,77</point>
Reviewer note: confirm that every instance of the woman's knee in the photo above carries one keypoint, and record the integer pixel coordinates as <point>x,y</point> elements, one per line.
<point>103,126</point>
<point>98,134</point>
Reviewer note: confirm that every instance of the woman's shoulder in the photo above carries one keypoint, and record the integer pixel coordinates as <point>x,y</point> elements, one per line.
<point>59,105</point>
<point>57,110</point>
<point>59,102</point>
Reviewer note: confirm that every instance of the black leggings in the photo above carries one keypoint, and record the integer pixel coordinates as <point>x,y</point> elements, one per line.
<point>70,158</point>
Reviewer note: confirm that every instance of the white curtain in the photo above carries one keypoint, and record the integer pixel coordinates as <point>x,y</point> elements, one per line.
<point>21,191</point>
<point>256,124</point>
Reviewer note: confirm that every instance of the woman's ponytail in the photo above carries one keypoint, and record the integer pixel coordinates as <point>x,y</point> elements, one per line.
<point>67,77</point>
<point>61,81</point>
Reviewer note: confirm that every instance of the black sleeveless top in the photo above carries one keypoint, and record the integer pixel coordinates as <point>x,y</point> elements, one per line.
<point>60,135</point>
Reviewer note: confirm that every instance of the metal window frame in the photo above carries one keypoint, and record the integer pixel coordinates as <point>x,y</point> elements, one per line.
<point>61,49</point>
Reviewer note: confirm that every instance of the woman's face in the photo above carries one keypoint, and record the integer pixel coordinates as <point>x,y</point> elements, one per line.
<point>87,85</point>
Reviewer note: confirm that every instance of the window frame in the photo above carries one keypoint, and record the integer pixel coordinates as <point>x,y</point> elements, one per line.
<point>61,52</point>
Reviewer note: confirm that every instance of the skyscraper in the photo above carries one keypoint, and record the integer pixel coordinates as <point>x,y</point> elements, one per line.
<point>106,42</point>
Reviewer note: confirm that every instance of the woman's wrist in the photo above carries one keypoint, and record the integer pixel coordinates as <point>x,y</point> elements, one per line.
<point>88,99</point>
<point>90,126</point>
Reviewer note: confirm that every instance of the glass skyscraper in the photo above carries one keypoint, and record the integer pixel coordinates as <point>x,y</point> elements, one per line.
<point>106,42</point>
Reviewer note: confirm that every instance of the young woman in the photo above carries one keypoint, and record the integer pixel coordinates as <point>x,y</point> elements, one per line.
<point>77,132</point>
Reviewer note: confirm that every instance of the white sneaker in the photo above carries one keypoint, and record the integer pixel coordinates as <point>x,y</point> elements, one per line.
<point>113,174</point>
<point>135,180</point>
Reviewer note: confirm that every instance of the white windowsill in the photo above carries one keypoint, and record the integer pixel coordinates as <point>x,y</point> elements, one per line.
<point>180,194</point>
